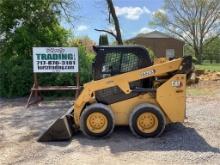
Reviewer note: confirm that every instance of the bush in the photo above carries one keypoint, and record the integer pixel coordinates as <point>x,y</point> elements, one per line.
<point>85,64</point>
<point>15,76</point>
<point>151,54</point>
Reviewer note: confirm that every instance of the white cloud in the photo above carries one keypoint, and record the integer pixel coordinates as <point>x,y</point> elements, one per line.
<point>162,11</point>
<point>82,28</point>
<point>159,10</point>
<point>132,13</point>
<point>145,30</point>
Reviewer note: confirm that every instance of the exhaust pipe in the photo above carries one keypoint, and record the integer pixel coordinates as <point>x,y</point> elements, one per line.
<point>61,130</point>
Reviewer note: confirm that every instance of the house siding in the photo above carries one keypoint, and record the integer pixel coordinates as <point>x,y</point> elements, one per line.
<point>159,45</point>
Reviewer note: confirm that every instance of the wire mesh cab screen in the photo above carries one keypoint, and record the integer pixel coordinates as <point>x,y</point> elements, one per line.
<point>119,63</point>
<point>111,61</point>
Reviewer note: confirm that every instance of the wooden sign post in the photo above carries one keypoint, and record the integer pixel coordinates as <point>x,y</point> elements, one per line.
<point>53,60</point>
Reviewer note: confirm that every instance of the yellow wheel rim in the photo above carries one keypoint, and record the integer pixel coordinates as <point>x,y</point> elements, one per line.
<point>97,122</point>
<point>147,122</point>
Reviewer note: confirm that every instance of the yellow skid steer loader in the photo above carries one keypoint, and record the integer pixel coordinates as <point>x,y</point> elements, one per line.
<point>128,89</point>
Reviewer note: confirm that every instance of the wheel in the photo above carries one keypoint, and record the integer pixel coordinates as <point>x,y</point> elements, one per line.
<point>97,120</point>
<point>147,120</point>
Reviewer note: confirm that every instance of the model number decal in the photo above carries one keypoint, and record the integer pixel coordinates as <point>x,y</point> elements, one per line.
<point>147,73</point>
<point>176,83</point>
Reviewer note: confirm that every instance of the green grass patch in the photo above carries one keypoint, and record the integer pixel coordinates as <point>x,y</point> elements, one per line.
<point>209,67</point>
<point>191,91</point>
<point>196,92</point>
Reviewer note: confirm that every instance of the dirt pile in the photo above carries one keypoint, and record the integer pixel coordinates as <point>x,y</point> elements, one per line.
<point>202,75</point>
<point>214,76</point>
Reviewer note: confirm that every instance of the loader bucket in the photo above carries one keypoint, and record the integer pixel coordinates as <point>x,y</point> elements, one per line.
<point>61,130</point>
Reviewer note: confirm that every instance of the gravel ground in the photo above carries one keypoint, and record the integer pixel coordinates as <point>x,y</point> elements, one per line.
<point>197,141</point>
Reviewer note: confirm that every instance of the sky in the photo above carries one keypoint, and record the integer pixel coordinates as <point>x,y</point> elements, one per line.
<point>134,17</point>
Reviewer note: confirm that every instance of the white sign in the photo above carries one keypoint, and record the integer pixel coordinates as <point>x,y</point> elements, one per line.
<point>55,59</point>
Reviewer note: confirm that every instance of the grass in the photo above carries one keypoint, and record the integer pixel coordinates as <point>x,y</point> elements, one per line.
<point>209,67</point>
<point>198,92</point>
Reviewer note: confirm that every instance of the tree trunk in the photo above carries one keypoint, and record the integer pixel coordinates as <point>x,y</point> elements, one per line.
<point>217,58</point>
<point>199,58</point>
<point>198,54</point>
<point>201,54</point>
<point>116,22</point>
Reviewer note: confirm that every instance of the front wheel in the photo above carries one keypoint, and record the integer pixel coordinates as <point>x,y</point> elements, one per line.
<point>147,120</point>
<point>97,120</point>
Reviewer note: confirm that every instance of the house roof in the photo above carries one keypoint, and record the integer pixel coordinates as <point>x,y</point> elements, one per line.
<point>154,34</point>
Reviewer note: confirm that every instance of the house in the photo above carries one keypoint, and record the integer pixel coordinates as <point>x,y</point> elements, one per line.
<point>160,43</point>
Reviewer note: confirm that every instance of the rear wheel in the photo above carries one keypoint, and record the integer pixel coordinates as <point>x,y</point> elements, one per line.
<point>97,120</point>
<point>147,120</point>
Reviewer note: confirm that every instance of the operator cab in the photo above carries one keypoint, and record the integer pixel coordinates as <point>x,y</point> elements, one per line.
<point>114,60</point>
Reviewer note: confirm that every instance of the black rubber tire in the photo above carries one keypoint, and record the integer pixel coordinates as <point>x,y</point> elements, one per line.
<point>138,110</point>
<point>97,107</point>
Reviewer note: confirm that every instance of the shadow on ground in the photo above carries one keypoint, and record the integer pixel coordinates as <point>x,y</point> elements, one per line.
<point>176,137</point>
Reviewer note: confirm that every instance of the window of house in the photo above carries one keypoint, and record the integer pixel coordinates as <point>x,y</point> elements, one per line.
<point>170,53</point>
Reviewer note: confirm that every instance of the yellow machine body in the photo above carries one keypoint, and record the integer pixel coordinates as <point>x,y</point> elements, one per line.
<point>170,96</point>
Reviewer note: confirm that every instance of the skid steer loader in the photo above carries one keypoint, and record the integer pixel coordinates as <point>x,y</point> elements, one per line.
<point>128,89</point>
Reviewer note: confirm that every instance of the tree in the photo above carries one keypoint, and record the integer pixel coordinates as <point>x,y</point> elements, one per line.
<point>85,41</point>
<point>103,39</point>
<point>192,21</point>
<point>86,56</point>
<point>113,19</point>
<point>212,50</point>
<point>23,25</point>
